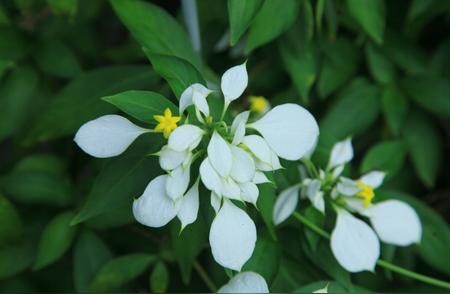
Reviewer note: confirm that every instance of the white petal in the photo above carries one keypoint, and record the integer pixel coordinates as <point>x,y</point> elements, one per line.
<point>107,136</point>
<point>374,179</point>
<point>189,206</point>
<point>318,202</point>
<point>347,187</point>
<point>216,202</point>
<point>260,178</point>
<point>285,204</point>
<point>170,159</point>
<point>185,137</point>
<point>258,146</point>
<point>312,191</point>
<point>200,102</point>
<point>250,192</point>
<point>245,282</point>
<point>231,189</point>
<point>178,182</point>
<point>186,98</point>
<point>395,222</point>
<point>341,153</point>
<point>210,177</point>
<point>355,205</point>
<point>234,81</point>
<point>289,129</point>
<point>354,244</point>
<point>154,208</point>
<point>238,127</point>
<point>243,167</point>
<point>322,290</point>
<point>219,155</point>
<point>232,237</point>
<point>337,171</point>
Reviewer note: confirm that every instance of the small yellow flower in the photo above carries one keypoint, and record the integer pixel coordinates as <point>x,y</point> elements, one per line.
<point>258,104</point>
<point>366,193</point>
<point>166,123</point>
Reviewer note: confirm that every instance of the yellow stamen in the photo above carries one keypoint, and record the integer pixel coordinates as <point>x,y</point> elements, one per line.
<point>366,193</point>
<point>166,123</point>
<point>258,104</point>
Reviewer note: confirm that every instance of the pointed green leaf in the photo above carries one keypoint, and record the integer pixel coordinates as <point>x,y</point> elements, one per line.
<point>241,14</point>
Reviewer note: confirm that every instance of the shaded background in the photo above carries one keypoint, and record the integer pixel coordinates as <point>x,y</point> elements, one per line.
<point>374,70</point>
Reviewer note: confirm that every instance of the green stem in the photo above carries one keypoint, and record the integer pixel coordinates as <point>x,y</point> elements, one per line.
<point>204,275</point>
<point>380,262</point>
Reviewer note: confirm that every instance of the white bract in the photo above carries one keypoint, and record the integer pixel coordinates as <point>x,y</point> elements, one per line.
<point>354,243</point>
<point>245,282</point>
<point>232,162</point>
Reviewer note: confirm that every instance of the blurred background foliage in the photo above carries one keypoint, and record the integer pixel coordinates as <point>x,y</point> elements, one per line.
<point>375,70</point>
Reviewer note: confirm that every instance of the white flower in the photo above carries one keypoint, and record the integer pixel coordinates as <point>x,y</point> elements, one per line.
<point>354,244</point>
<point>245,282</point>
<point>341,153</point>
<point>323,290</point>
<point>232,165</point>
<point>107,136</point>
<point>285,204</point>
<point>289,129</point>
<point>232,236</point>
<point>195,94</point>
<point>234,81</point>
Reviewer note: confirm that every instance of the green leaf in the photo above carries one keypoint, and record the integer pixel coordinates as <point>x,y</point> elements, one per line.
<point>385,156</point>
<point>68,7</point>
<point>323,258</point>
<point>79,101</point>
<point>16,258</point>
<point>119,271</point>
<point>395,108</point>
<point>15,95</point>
<point>424,146</point>
<point>241,14</point>
<point>55,240</point>
<point>431,93</point>
<point>299,59</point>
<point>4,65</point>
<point>142,105</point>
<point>381,68</point>
<point>90,254</point>
<point>32,187</point>
<point>121,179</point>
<point>4,18</point>
<point>266,201</point>
<point>435,242</point>
<point>355,109</point>
<point>187,245</point>
<point>179,73</point>
<point>13,46</point>
<point>156,30</point>
<point>159,278</point>
<point>11,226</point>
<point>318,219</point>
<point>273,19</point>
<point>370,15</point>
<point>405,53</point>
<point>265,259</point>
<point>41,163</point>
<point>336,70</point>
<point>56,58</point>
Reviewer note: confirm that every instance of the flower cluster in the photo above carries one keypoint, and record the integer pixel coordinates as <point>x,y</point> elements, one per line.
<point>354,243</point>
<point>233,160</point>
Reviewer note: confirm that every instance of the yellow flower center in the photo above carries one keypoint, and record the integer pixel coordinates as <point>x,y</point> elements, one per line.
<point>366,193</point>
<point>258,104</point>
<point>166,123</point>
